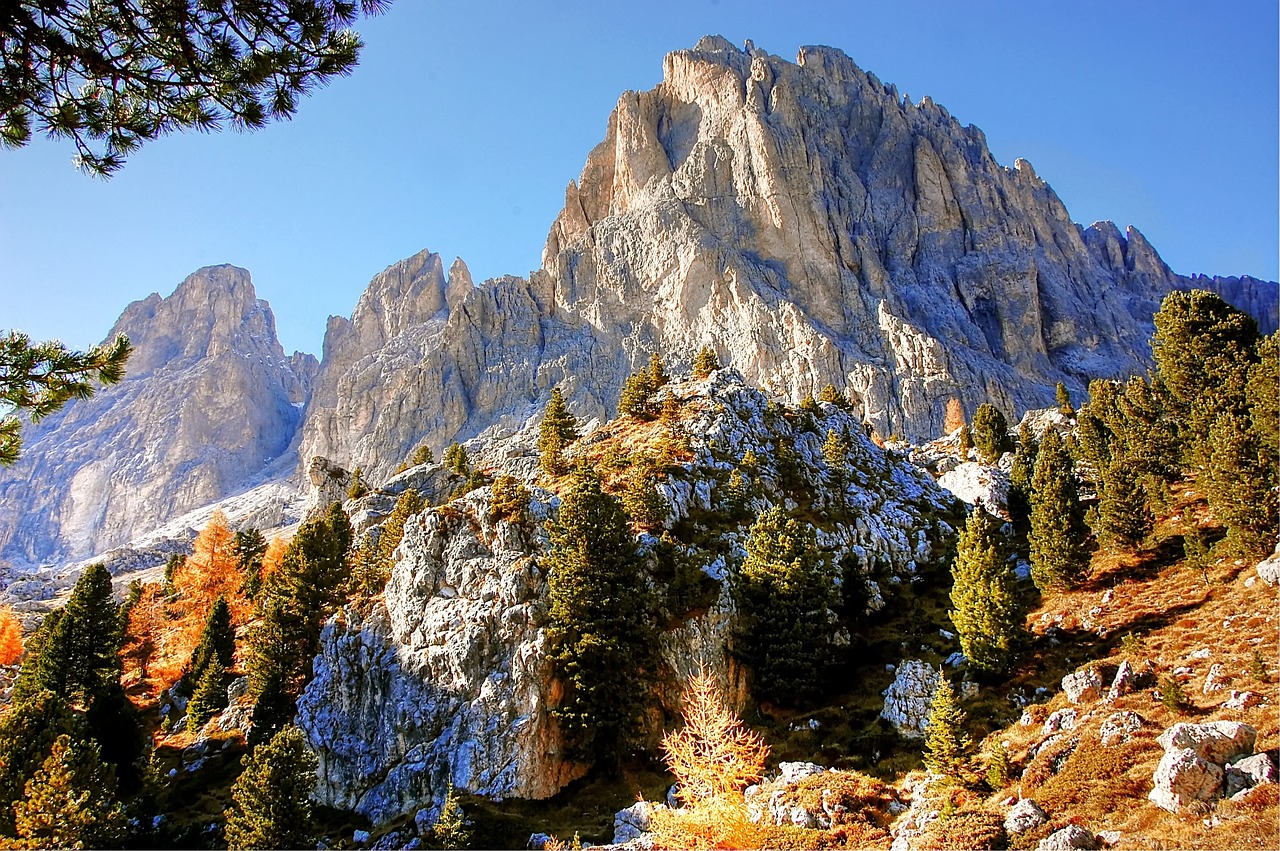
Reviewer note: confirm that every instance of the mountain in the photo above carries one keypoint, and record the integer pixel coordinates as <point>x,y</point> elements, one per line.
<point>804,219</point>
<point>209,402</point>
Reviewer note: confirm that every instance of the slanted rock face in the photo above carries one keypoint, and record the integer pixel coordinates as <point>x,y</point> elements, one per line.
<point>209,402</point>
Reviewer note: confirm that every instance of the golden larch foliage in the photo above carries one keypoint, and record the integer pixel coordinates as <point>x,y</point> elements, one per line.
<point>211,571</point>
<point>274,556</point>
<point>714,757</point>
<point>143,654</point>
<point>954,416</point>
<point>10,637</point>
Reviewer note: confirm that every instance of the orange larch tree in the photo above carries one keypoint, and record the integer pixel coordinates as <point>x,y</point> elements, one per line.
<point>10,637</point>
<point>714,757</point>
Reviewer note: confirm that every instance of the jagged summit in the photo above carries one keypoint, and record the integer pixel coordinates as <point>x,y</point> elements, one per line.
<point>209,401</point>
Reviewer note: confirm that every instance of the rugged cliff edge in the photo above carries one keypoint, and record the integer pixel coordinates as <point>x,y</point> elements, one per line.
<point>209,401</point>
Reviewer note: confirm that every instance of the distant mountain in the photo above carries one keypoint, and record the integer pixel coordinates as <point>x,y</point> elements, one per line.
<point>803,219</point>
<point>210,401</point>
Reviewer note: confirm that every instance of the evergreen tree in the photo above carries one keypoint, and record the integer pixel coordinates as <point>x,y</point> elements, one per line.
<point>966,440</point>
<point>1239,484</point>
<point>408,505</point>
<point>1151,439</point>
<point>636,393</point>
<point>1064,400</point>
<point>735,496</point>
<point>172,566</point>
<point>358,487</point>
<point>657,371</point>
<point>1124,516</point>
<point>28,730</point>
<point>450,829</point>
<point>641,499</point>
<point>783,592</point>
<point>78,654</point>
<point>598,620</point>
<point>70,801</point>
<point>250,547</point>
<point>1263,396</point>
<point>217,644</point>
<point>271,801</point>
<point>990,433</point>
<point>835,451</point>
<point>1059,537</point>
<point>988,613</point>
<point>38,379</point>
<point>510,498</point>
<point>835,397</point>
<point>947,746</point>
<point>422,455</point>
<point>295,601</point>
<point>456,461</point>
<point>1099,427</point>
<point>210,695</point>
<point>705,363</point>
<point>1020,474</point>
<point>1203,348</point>
<point>559,429</point>
<point>670,415</point>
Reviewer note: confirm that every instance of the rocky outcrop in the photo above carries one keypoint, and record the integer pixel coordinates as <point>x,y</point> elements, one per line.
<point>209,403</point>
<point>445,680</point>
<point>1082,686</point>
<point>908,698</point>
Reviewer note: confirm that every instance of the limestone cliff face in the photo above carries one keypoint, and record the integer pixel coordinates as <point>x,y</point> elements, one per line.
<point>805,220</point>
<point>445,678</point>
<point>210,401</point>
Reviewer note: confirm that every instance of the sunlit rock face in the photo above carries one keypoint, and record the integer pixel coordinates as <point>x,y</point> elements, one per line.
<point>802,218</point>
<point>209,402</point>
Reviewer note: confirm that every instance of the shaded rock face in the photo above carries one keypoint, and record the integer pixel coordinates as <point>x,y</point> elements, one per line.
<point>209,402</point>
<point>804,220</point>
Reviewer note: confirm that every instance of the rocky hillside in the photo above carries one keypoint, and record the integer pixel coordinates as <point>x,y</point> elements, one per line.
<point>445,678</point>
<point>209,402</point>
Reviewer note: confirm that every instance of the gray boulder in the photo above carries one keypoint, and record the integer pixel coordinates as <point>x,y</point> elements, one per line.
<point>1218,742</point>
<point>1119,727</point>
<point>1244,774</point>
<point>1183,777</point>
<point>1073,836</point>
<point>1025,815</point>
<point>909,696</point>
<point>1083,686</point>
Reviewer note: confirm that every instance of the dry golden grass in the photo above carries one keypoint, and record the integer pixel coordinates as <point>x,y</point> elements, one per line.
<point>1174,613</point>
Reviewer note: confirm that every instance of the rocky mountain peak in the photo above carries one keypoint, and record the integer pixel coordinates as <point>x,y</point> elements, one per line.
<point>208,403</point>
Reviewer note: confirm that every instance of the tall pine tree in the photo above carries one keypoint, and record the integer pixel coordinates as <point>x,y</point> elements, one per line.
<point>271,801</point>
<point>947,745</point>
<point>784,593</point>
<point>1059,537</point>
<point>599,623</point>
<point>559,429</point>
<point>990,433</point>
<point>70,802</point>
<point>988,613</point>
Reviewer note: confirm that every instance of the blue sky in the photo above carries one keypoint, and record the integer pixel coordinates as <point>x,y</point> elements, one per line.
<point>465,121</point>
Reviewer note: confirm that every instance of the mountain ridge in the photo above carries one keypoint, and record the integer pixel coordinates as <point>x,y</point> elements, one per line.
<point>803,219</point>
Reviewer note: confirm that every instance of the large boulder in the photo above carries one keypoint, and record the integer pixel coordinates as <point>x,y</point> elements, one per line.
<point>1025,815</point>
<point>1216,741</point>
<point>909,696</point>
<point>1083,686</point>
<point>1073,837</point>
<point>1183,777</point>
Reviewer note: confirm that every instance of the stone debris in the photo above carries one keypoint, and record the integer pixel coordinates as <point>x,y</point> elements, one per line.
<point>1025,815</point>
<point>1083,686</point>
<point>1119,727</point>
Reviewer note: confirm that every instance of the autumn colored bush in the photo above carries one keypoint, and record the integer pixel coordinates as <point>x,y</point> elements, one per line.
<point>966,829</point>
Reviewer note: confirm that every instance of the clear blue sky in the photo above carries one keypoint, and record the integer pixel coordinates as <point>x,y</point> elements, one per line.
<point>465,121</point>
